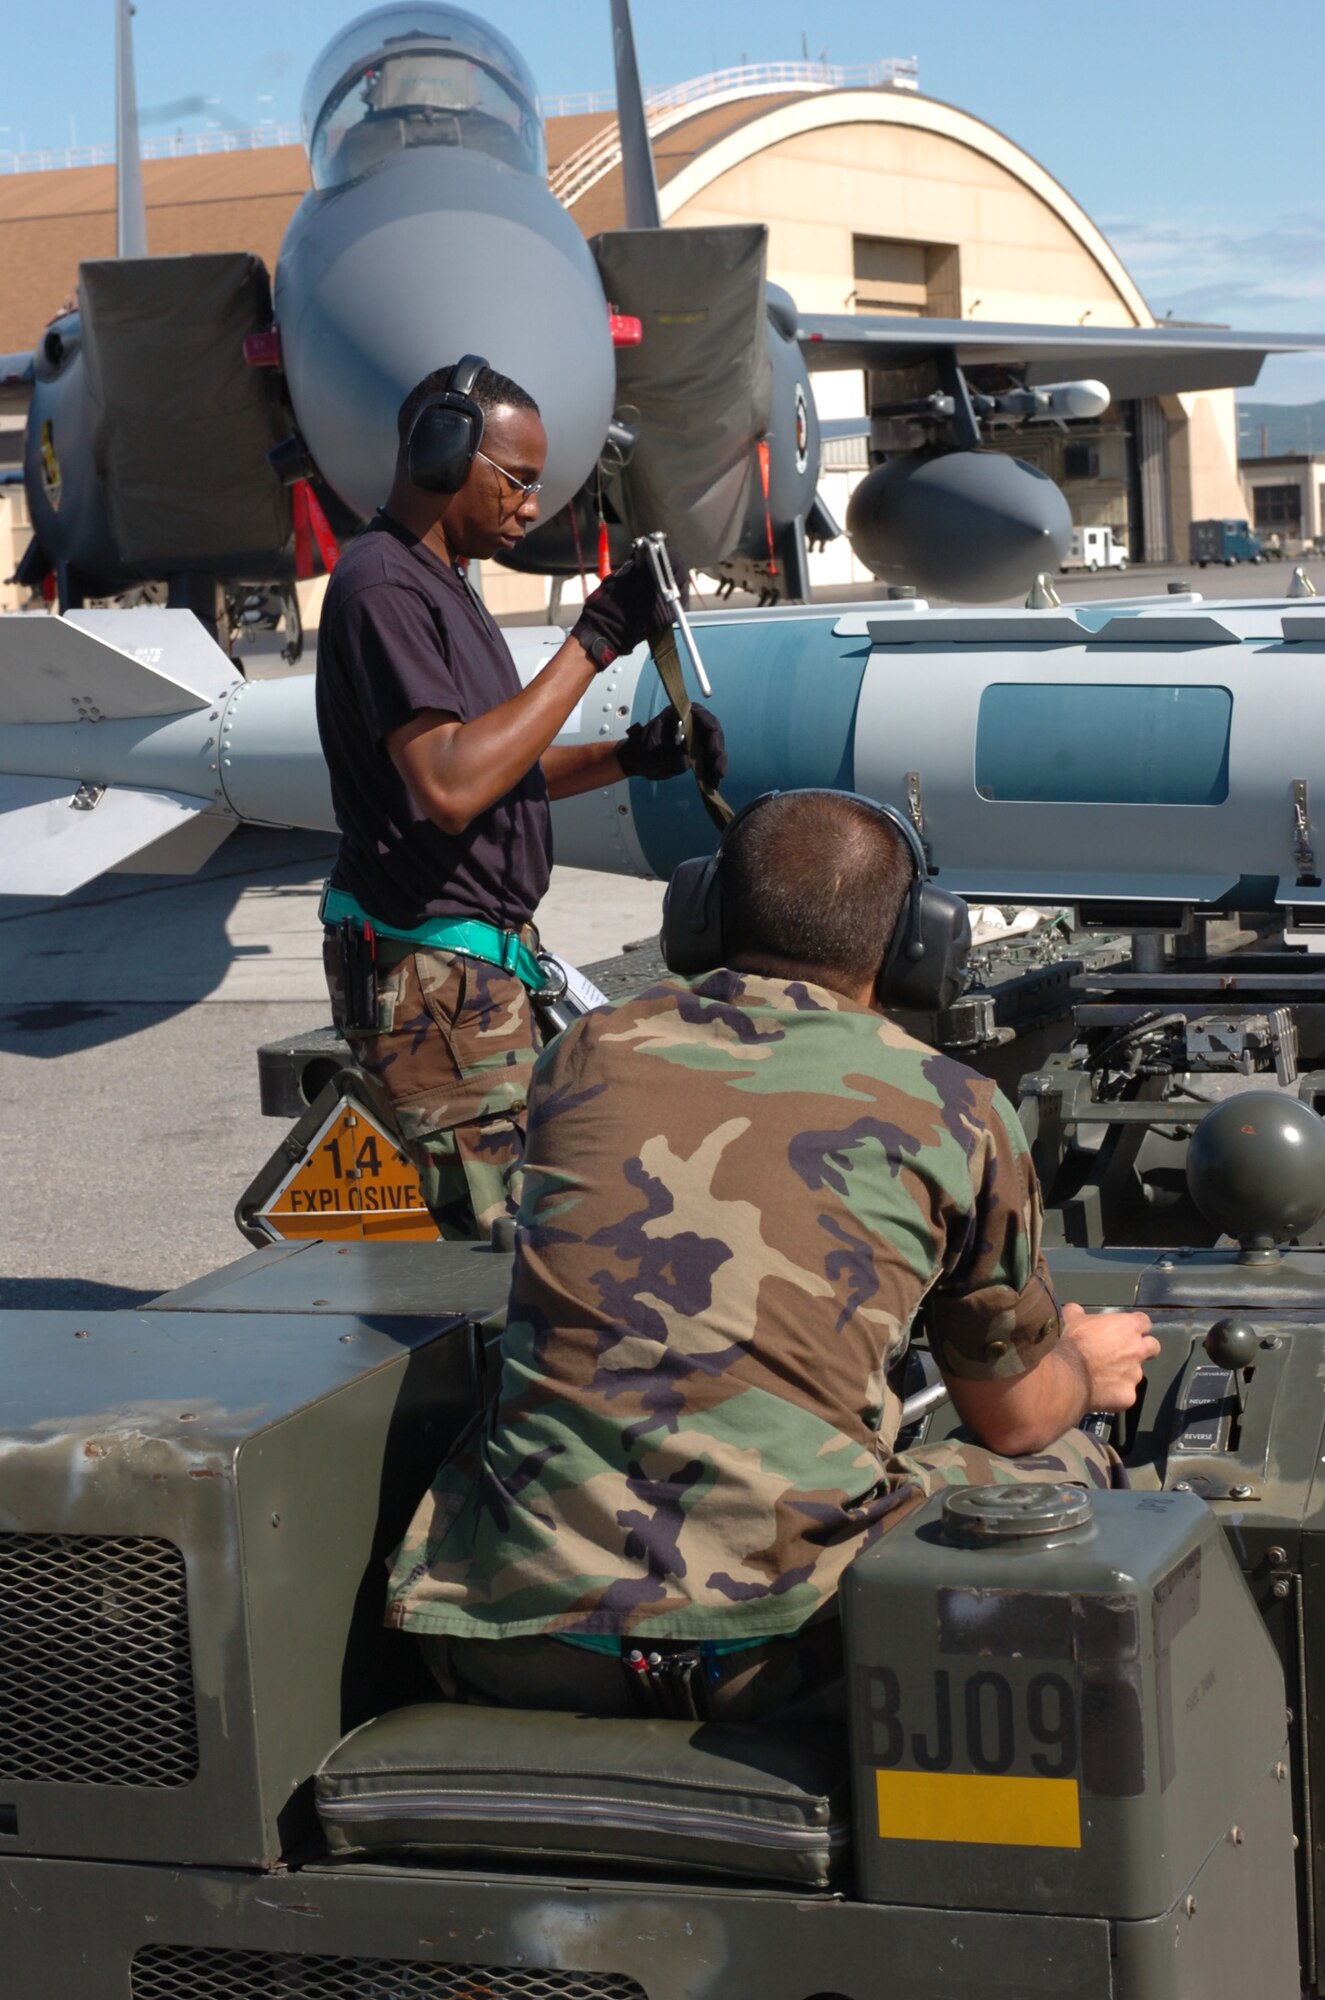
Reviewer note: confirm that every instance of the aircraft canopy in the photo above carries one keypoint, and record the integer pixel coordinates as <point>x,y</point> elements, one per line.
<point>420,75</point>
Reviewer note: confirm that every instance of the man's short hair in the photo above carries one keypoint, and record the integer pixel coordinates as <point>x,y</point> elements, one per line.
<point>491,391</point>
<point>814,879</point>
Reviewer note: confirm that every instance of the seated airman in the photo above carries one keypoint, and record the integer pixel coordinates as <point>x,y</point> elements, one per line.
<point>740,1191</point>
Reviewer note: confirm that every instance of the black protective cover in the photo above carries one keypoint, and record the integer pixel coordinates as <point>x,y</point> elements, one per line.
<point>181,423</point>
<point>656,1795</point>
<point>701,381</point>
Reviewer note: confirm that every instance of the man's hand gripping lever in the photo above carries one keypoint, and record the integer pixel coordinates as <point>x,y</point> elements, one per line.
<point>639,601</point>
<point>701,744</point>
<point>1112,1348</point>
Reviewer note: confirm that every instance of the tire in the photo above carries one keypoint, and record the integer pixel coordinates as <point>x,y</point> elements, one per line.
<point>1230,562</point>
<point>1092,567</point>
<point>1122,568</point>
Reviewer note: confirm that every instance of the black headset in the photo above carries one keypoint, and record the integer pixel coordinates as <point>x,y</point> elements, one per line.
<point>923,966</point>
<point>447,431</point>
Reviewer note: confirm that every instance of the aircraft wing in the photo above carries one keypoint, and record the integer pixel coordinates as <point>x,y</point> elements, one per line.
<point>1134,361</point>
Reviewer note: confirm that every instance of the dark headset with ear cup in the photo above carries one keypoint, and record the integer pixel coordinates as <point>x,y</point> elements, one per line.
<point>922,968</point>
<point>447,431</point>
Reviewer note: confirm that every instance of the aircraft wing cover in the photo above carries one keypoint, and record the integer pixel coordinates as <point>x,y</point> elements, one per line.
<point>163,349</point>
<point>1133,361</point>
<point>701,380</point>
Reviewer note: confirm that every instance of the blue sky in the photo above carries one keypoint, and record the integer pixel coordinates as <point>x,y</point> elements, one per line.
<point>1188,132</point>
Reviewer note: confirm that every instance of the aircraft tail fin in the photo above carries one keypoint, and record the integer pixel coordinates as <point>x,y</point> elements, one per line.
<point>130,208</point>
<point>55,835</point>
<point>70,669</point>
<point>641,187</point>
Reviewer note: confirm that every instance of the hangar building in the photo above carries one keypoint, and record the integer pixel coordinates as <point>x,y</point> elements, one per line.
<point>876,198</point>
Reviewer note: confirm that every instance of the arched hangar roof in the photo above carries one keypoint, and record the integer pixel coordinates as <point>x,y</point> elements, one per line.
<point>708,149</point>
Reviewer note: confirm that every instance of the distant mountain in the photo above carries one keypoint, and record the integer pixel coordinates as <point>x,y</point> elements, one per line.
<point>1288,427</point>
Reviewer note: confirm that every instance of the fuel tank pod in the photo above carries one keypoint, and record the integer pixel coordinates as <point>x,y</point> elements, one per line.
<point>968,525</point>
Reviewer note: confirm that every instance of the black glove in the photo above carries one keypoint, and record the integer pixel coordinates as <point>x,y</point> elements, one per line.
<point>626,609</point>
<point>656,749</point>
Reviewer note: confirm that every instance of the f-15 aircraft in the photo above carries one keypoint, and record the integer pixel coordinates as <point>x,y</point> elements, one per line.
<point>430,230</point>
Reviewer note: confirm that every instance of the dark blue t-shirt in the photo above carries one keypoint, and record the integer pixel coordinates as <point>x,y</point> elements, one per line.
<point>400,632</point>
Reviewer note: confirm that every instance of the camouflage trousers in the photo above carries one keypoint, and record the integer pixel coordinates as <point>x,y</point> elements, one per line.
<point>796,1678</point>
<point>451,1060</point>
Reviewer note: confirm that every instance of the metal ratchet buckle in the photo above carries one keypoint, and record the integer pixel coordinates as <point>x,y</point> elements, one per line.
<point>655,547</point>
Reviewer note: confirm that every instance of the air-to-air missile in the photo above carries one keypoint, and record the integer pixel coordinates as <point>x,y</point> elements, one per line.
<point>1130,757</point>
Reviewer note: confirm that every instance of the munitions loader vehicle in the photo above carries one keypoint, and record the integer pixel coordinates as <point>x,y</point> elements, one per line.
<point>1084,1753</point>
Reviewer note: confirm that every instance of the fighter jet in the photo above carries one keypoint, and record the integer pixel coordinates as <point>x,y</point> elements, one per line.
<point>153,453</point>
<point>430,230</point>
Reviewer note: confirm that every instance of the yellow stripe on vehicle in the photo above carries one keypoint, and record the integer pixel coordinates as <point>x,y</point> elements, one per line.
<point>978,1811</point>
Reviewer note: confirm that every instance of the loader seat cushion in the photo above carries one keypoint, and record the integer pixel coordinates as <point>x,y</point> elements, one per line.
<point>455,1782</point>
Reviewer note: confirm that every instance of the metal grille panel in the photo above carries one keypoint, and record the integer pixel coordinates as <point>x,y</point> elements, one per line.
<point>96,1685</point>
<point>187,1972</point>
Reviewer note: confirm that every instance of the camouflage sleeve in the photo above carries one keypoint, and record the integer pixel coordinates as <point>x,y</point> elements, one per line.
<point>993,1311</point>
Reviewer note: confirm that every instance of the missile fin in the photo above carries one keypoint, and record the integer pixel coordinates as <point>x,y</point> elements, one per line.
<point>90,665</point>
<point>49,845</point>
<point>182,849</point>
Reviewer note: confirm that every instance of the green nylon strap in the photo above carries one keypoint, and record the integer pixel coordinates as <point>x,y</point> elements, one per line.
<point>668,662</point>
<point>464,934</point>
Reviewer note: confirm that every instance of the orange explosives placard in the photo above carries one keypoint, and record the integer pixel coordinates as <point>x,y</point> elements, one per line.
<point>352,1181</point>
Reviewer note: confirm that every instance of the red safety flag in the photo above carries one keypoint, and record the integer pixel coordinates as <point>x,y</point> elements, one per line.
<point>303,539</point>
<point>311,526</point>
<point>764,456</point>
<point>327,545</point>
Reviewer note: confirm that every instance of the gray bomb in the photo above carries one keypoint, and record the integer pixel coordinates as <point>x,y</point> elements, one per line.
<point>1127,758</point>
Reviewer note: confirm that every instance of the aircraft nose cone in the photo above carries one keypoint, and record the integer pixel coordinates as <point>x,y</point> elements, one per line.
<point>436,255</point>
<point>968,525</point>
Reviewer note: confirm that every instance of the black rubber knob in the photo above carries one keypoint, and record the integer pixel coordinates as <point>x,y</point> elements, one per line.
<point>1232,1343</point>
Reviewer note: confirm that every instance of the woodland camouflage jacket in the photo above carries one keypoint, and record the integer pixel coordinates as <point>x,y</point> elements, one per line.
<point>738,1192</point>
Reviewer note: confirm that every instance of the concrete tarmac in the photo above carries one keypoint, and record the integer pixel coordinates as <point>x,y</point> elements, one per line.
<point>131,1013</point>
<point>130,1017</point>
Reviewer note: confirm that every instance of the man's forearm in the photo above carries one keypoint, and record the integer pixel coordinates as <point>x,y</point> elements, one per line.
<point>1059,1398</point>
<point>1021,1414</point>
<point>1096,1365</point>
<point>571,768</point>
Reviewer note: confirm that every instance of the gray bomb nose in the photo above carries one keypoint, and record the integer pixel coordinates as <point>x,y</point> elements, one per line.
<point>432,257</point>
<point>969,525</point>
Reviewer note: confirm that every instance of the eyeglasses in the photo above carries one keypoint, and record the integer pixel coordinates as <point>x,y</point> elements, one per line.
<point>526,491</point>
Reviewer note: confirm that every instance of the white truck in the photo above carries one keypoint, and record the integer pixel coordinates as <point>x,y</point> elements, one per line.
<point>1094,548</point>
